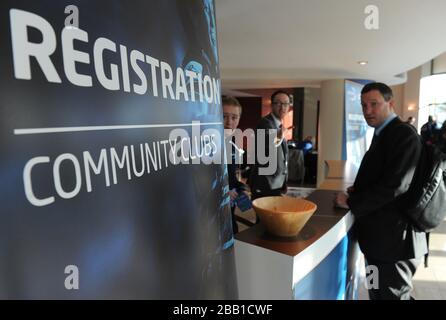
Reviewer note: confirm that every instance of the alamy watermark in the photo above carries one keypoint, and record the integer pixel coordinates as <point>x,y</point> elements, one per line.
<point>72,19</point>
<point>206,147</point>
<point>371,22</point>
<point>372,277</point>
<point>72,280</point>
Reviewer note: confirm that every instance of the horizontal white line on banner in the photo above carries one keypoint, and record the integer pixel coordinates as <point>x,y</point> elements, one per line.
<point>104,128</point>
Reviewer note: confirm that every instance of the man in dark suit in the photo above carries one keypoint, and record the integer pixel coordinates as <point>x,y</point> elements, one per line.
<point>272,184</point>
<point>385,235</point>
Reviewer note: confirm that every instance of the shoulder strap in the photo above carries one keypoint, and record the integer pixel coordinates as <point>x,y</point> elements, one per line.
<point>426,256</point>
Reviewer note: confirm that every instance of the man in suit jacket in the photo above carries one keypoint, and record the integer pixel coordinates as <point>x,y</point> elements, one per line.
<point>274,184</point>
<point>385,235</point>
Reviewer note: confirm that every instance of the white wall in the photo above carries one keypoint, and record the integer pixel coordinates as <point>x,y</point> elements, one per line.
<point>331,124</point>
<point>412,95</point>
<point>439,65</point>
<point>398,96</point>
<point>311,96</point>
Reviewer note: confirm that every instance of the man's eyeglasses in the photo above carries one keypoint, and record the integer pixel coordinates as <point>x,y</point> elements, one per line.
<point>281,104</point>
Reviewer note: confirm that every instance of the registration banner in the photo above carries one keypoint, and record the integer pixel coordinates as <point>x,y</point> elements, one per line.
<point>110,135</point>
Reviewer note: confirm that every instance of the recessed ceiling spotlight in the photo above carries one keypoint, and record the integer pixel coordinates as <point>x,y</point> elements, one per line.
<point>363,63</point>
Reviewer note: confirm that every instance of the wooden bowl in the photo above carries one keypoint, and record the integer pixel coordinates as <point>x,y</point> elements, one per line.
<point>284,216</point>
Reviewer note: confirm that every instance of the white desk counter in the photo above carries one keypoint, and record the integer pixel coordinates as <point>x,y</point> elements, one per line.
<point>320,263</point>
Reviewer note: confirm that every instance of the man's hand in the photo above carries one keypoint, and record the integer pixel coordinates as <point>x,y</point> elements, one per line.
<point>233,194</point>
<point>341,200</point>
<point>283,132</point>
<point>284,189</point>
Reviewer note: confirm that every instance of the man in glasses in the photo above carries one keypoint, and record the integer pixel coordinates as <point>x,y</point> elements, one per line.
<point>273,184</point>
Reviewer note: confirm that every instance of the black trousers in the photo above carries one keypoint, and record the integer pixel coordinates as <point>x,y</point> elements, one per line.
<point>395,279</point>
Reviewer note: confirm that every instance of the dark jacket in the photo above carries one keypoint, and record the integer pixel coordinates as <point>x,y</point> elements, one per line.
<point>234,183</point>
<point>266,183</point>
<point>383,230</point>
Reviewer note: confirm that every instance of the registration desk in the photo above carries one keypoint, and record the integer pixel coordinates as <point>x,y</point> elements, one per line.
<point>322,262</point>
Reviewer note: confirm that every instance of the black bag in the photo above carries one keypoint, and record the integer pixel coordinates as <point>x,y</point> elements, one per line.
<point>425,201</point>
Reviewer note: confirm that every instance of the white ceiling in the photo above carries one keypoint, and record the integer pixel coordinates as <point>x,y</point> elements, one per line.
<point>292,43</point>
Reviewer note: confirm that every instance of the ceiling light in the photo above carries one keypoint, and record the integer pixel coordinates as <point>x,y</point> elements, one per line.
<point>363,63</point>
